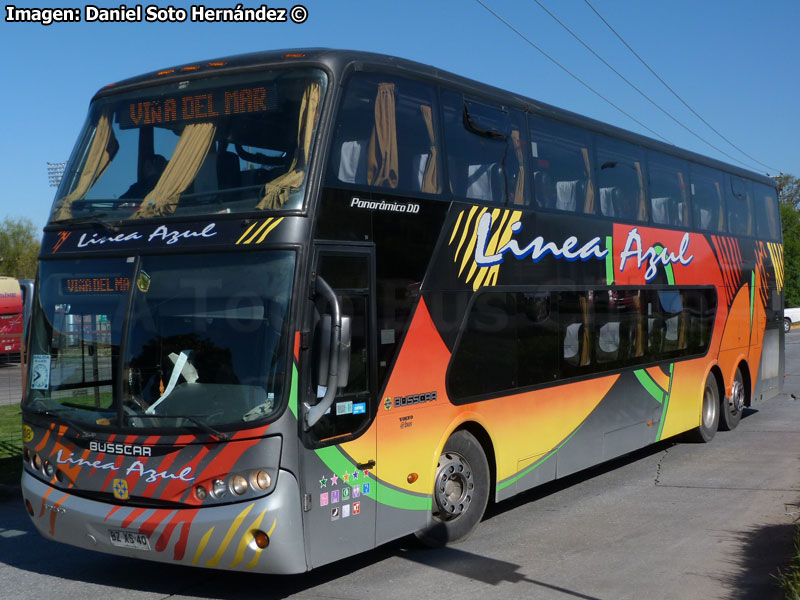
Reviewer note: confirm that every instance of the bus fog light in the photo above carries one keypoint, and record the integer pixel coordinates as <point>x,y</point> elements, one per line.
<point>260,480</point>
<point>37,462</point>
<point>239,485</point>
<point>218,488</point>
<point>200,492</point>
<point>261,539</point>
<point>49,470</point>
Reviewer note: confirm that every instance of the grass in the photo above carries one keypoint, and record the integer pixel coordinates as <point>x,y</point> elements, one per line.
<point>789,579</point>
<point>10,444</point>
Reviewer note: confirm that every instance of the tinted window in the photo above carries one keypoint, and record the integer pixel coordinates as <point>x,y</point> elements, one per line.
<point>620,179</point>
<point>739,202</point>
<point>521,339</point>
<point>561,166</point>
<point>669,199</point>
<point>484,150</point>
<point>509,341</point>
<point>765,205</point>
<point>387,135</point>
<point>707,207</point>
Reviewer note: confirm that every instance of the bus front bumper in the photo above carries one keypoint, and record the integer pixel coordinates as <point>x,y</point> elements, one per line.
<point>215,536</point>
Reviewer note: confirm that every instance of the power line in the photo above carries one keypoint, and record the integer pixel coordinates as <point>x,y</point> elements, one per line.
<point>674,93</point>
<point>641,93</point>
<point>570,73</point>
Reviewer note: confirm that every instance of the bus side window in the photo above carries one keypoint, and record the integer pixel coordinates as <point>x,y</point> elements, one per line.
<point>386,135</point>
<point>767,214</point>
<point>575,332</point>
<point>669,200</point>
<point>620,179</point>
<point>482,156</point>
<point>561,166</point>
<point>739,204</point>
<point>706,187</point>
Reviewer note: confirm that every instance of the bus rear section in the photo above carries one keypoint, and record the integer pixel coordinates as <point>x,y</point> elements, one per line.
<point>10,319</point>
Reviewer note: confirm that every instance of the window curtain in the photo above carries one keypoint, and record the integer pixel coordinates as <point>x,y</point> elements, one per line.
<point>639,336</point>
<point>102,151</point>
<point>382,151</point>
<point>720,210</point>
<point>642,213</point>
<point>430,179</point>
<point>519,192</point>
<point>190,153</point>
<point>588,206</point>
<point>586,341</point>
<point>278,191</point>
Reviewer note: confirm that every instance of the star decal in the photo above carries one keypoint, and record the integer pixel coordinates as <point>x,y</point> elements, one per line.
<point>346,476</point>
<point>334,479</point>
<point>366,472</point>
<point>323,482</point>
<point>355,474</point>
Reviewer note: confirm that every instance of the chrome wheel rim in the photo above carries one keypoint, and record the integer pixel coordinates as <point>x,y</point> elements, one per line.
<point>736,402</point>
<point>709,407</point>
<point>454,486</point>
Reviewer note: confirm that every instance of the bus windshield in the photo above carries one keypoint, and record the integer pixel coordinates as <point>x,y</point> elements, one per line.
<point>188,338</point>
<point>229,144</point>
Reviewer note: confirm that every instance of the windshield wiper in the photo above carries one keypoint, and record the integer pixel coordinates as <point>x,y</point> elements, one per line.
<point>82,433</point>
<point>93,219</point>
<point>223,437</point>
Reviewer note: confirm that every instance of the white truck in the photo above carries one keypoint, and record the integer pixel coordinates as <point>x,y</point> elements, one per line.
<point>790,317</point>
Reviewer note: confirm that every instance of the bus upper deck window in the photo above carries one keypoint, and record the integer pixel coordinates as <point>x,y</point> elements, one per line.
<point>386,135</point>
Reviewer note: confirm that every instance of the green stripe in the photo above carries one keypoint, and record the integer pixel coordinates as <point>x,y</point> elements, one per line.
<point>338,463</point>
<point>610,260</point>
<point>666,403</point>
<point>293,391</point>
<point>667,267</point>
<point>514,478</point>
<point>651,386</point>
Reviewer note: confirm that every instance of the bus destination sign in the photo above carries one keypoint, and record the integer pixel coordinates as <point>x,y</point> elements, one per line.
<point>95,285</point>
<point>204,105</point>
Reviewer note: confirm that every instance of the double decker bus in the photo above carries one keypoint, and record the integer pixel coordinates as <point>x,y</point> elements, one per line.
<point>10,319</point>
<point>293,305</point>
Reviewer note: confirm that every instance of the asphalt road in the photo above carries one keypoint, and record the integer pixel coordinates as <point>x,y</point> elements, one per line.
<point>679,521</point>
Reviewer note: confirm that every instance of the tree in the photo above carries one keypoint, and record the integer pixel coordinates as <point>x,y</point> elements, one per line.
<point>789,196</point>
<point>791,254</point>
<point>19,247</point>
<point>788,189</point>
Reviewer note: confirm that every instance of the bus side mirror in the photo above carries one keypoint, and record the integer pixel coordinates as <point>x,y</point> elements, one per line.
<point>322,350</point>
<point>344,354</point>
<point>333,343</point>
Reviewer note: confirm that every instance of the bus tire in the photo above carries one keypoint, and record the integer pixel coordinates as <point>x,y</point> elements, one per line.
<point>787,325</point>
<point>461,491</point>
<point>732,408</point>
<point>709,412</point>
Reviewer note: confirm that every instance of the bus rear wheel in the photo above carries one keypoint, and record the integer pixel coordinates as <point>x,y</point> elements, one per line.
<point>710,409</point>
<point>460,493</point>
<point>732,407</point>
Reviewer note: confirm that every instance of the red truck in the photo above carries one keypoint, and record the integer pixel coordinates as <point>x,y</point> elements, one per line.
<point>10,319</point>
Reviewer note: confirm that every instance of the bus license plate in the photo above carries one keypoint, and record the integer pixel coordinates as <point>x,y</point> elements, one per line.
<point>128,539</point>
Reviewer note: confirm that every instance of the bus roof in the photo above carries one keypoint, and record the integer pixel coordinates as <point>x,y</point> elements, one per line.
<point>337,61</point>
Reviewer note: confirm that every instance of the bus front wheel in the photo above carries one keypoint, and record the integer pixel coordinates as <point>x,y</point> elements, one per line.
<point>461,491</point>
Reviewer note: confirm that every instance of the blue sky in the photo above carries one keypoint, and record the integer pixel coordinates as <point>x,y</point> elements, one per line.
<point>734,61</point>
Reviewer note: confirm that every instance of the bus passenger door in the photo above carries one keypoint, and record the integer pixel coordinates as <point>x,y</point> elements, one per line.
<point>339,448</point>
